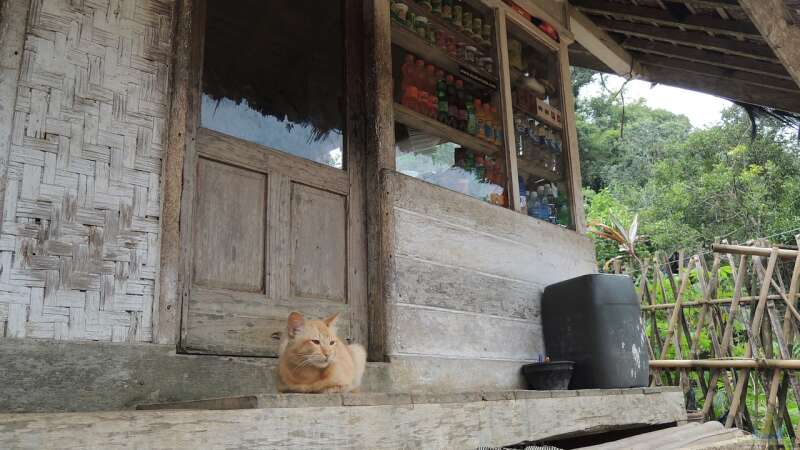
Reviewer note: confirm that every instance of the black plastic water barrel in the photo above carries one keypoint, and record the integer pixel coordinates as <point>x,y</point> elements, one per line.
<point>595,320</point>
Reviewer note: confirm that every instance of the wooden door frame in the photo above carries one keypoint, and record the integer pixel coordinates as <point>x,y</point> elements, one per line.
<point>181,156</point>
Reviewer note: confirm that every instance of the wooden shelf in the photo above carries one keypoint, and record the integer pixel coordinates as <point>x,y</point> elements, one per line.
<point>416,120</point>
<point>413,43</point>
<point>530,167</point>
<point>439,21</point>
<point>547,121</point>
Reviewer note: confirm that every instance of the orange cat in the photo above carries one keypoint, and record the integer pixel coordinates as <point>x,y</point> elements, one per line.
<point>313,359</point>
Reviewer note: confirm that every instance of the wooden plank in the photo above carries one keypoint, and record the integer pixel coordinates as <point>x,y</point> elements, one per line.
<point>507,111</point>
<point>663,17</point>
<point>600,44</point>
<point>278,244</point>
<point>218,146</point>
<point>770,19</point>
<point>354,163</point>
<point>318,239</point>
<point>466,424</point>
<point>416,120</point>
<point>247,304</point>
<point>380,142</point>
<point>440,332</point>
<point>442,242</point>
<point>705,57</point>
<point>722,87</point>
<point>696,39</point>
<point>438,203</point>
<point>751,78</point>
<point>572,165</point>
<point>232,201</point>
<point>180,139</point>
<point>427,284</point>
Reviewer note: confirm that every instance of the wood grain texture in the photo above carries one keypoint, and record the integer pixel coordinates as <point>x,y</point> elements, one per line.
<point>423,283</point>
<point>319,239</point>
<point>43,375</point>
<point>229,228</point>
<point>572,166</point>
<point>441,332</point>
<point>426,425</point>
<point>770,19</point>
<point>379,157</point>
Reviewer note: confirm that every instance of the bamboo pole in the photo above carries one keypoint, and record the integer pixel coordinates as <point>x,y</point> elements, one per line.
<point>716,301</point>
<point>730,363</point>
<point>753,251</point>
<point>755,335</point>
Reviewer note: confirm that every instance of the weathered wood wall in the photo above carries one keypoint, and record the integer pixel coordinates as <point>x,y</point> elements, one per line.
<point>79,247</point>
<point>464,295</point>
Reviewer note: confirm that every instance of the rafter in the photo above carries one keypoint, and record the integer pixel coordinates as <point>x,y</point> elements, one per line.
<point>734,4</point>
<point>688,37</point>
<point>723,87</point>
<point>705,69</point>
<point>663,17</point>
<point>705,57</point>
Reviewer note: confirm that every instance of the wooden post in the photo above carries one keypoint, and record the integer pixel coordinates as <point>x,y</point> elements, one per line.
<point>181,130</point>
<point>571,156</point>
<point>379,157</point>
<point>770,18</point>
<point>501,35</point>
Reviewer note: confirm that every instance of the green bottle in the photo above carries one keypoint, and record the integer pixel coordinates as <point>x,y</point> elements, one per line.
<point>472,123</point>
<point>441,94</point>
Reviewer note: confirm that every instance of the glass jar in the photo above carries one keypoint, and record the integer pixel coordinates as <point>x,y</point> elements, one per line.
<point>458,11</point>
<point>477,27</point>
<point>487,33</point>
<point>421,26</point>
<point>470,53</point>
<point>467,21</point>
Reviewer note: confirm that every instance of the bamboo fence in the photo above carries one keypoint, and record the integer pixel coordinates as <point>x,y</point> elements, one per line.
<point>725,348</point>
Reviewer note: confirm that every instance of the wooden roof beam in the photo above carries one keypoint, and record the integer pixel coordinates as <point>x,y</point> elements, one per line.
<point>706,57</point>
<point>769,17</point>
<point>699,39</point>
<point>663,17</point>
<point>705,69</point>
<point>733,4</point>
<point>722,87</point>
<point>600,44</point>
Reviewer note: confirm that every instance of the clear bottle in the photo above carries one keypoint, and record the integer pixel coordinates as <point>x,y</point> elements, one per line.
<point>452,102</point>
<point>498,126</point>
<point>419,76</point>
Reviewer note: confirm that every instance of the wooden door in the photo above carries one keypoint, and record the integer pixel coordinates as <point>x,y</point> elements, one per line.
<point>273,197</point>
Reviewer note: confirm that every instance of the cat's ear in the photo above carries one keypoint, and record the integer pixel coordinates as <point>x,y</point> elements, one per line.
<point>331,321</point>
<point>295,324</point>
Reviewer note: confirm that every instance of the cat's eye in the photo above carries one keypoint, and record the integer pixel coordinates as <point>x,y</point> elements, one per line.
<point>316,341</point>
<point>333,342</point>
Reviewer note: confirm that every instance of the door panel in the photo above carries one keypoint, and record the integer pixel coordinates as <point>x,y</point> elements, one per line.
<point>230,201</point>
<point>273,211</point>
<point>318,236</point>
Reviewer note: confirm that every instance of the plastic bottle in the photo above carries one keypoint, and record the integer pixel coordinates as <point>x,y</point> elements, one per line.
<point>488,122</point>
<point>478,119</point>
<point>430,79</point>
<point>407,69</point>
<point>452,102</point>
<point>418,78</point>
<point>472,122</point>
<point>410,97</point>
<point>533,204</point>
<point>422,102</point>
<point>441,94</point>
<point>462,109</point>
<point>543,210</point>
<point>498,127</point>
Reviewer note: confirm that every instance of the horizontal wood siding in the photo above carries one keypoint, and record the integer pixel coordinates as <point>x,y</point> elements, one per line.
<point>468,280</point>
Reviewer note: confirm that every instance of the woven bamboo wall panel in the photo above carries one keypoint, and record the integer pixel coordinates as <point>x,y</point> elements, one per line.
<point>79,249</point>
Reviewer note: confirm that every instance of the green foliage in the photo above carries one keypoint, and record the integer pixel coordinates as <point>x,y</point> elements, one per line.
<point>688,185</point>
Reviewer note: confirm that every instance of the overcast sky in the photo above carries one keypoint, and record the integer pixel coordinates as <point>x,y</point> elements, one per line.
<point>701,109</point>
